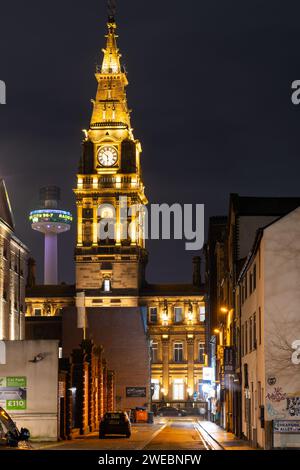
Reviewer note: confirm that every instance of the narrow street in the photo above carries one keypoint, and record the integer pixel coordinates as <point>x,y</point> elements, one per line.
<point>166,434</point>
<point>179,434</point>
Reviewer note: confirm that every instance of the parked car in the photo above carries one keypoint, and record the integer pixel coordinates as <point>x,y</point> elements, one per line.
<point>171,411</point>
<point>116,422</point>
<point>9,433</point>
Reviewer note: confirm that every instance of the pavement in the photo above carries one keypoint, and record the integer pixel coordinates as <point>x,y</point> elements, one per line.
<point>216,438</point>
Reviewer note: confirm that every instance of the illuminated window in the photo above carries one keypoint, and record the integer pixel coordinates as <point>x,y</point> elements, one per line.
<point>106,285</point>
<point>178,314</point>
<point>153,314</point>
<point>178,352</point>
<point>106,222</point>
<point>154,352</point>
<point>155,389</point>
<point>178,389</point>
<point>202,314</point>
<point>202,353</point>
<point>38,312</point>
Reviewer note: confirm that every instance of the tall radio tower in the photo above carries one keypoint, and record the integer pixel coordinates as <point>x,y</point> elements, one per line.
<point>51,221</point>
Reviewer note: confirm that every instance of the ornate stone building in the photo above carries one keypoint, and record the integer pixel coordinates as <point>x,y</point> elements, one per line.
<point>177,324</point>
<point>115,304</point>
<point>13,256</point>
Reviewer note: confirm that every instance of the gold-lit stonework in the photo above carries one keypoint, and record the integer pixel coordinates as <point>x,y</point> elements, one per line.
<point>110,170</point>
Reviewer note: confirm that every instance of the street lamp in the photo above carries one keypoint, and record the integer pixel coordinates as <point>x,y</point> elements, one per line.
<point>224,310</point>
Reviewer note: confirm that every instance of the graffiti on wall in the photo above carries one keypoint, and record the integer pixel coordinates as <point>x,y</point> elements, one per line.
<point>273,413</point>
<point>293,406</point>
<point>277,395</point>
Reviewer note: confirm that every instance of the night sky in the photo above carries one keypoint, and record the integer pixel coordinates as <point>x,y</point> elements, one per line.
<point>210,85</point>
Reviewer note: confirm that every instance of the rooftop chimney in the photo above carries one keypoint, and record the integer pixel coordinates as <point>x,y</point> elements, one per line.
<point>197,271</point>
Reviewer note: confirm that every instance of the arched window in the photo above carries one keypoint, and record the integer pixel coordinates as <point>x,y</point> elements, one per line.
<point>106,222</point>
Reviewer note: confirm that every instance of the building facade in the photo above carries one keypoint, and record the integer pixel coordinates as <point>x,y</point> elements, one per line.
<point>13,259</point>
<point>177,328</point>
<point>110,250</point>
<point>228,254</point>
<point>112,301</point>
<point>268,298</point>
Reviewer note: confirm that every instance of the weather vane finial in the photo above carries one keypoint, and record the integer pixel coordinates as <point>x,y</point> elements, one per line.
<point>111,8</point>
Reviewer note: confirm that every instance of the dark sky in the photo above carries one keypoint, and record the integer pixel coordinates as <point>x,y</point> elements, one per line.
<point>209,88</point>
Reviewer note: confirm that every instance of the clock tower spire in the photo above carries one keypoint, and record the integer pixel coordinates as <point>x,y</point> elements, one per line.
<point>110,248</point>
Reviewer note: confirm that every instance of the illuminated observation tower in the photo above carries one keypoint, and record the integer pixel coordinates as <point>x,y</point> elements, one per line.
<point>51,221</point>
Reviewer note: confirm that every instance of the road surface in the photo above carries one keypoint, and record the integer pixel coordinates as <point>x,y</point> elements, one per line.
<point>165,434</point>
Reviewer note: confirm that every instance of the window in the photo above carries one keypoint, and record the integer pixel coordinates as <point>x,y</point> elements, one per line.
<point>38,312</point>
<point>178,389</point>
<point>202,314</point>
<point>106,225</point>
<point>178,314</point>
<point>155,389</point>
<point>242,341</point>
<point>87,232</point>
<point>178,352</point>
<point>250,334</point>
<point>251,283</point>
<point>254,332</point>
<point>246,338</point>
<point>259,325</point>
<point>259,393</point>
<point>254,277</point>
<point>153,314</point>
<point>106,285</point>
<point>154,352</point>
<point>202,353</point>
<point>246,286</point>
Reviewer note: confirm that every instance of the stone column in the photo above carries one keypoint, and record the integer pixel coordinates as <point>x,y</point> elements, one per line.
<point>110,390</point>
<point>79,224</point>
<point>80,383</point>
<point>165,372</point>
<point>95,222</point>
<point>190,365</point>
<point>118,226</point>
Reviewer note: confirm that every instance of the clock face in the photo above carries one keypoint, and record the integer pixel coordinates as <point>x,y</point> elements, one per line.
<point>107,156</point>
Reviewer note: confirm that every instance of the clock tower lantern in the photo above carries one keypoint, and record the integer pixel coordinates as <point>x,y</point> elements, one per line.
<point>110,249</point>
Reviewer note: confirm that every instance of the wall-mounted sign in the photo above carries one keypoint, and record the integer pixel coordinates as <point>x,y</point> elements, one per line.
<point>207,374</point>
<point>286,426</point>
<point>229,360</point>
<point>136,392</point>
<point>13,393</point>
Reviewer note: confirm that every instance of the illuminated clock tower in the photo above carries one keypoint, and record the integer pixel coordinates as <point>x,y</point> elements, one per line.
<point>110,249</point>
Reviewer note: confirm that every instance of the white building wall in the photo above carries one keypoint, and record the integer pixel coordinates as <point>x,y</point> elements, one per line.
<point>253,305</point>
<point>277,295</point>
<point>282,322</point>
<point>41,413</point>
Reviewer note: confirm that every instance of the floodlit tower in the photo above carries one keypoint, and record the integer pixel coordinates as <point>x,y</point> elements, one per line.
<point>51,221</point>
